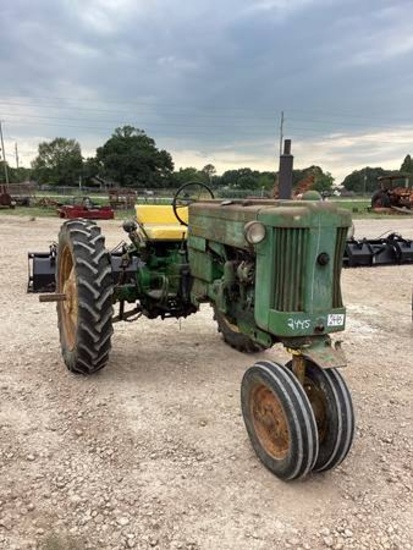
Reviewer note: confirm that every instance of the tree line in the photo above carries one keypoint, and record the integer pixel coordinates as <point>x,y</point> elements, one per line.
<point>365,180</point>
<point>130,158</point>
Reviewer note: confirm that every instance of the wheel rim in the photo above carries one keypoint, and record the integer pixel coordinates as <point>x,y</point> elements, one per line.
<point>68,286</point>
<point>317,399</point>
<point>270,423</point>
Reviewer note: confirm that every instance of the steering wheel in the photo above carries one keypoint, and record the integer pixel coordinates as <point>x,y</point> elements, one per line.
<point>189,193</point>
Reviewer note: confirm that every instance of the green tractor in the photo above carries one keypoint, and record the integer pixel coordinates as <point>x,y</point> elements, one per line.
<point>271,271</point>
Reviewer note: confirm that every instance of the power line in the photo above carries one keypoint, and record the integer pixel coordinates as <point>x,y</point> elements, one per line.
<point>294,122</point>
<point>154,111</point>
<point>159,105</point>
<point>17,155</point>
<point>240,132</point>
<point>155,105</point>
<point>107,121</point>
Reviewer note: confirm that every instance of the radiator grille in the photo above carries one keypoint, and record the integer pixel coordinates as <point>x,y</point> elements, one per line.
<point>338,262</point>
<point>290,265</point>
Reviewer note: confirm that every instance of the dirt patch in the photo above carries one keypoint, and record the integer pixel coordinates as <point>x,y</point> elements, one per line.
<point>152,451</point>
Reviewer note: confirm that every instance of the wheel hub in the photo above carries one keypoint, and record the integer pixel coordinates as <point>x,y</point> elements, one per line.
<point>269,422</point>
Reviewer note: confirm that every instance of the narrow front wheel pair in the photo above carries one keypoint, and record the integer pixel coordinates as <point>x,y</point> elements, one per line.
<point>294,428</point>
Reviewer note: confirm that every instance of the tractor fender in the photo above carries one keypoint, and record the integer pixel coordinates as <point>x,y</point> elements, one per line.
<point>325,353</point>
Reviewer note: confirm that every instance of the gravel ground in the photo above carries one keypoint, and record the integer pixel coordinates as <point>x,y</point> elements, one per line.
<point>152,453</point>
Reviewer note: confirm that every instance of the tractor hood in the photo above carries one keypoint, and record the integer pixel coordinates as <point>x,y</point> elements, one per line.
<point>224,221</point>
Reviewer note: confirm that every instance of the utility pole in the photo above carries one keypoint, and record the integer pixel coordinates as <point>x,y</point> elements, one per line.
<point>6,173</point>
<point>281,132</point>
<point>17,155</point>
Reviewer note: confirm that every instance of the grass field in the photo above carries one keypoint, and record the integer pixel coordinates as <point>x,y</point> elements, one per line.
<point>36,212</point>
<point>358,208</point>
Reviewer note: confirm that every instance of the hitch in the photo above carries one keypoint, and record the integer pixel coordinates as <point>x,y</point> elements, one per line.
<point>55,297</point>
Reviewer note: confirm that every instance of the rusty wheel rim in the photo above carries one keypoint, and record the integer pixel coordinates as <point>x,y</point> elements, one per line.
<point>269,421</point>
<point>318,403</point>
<point>67,285</point>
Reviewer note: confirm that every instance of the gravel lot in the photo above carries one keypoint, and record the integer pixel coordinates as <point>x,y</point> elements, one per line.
<point>152,453</point>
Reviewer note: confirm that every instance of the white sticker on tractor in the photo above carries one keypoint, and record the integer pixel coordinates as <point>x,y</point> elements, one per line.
<point>335,319</point>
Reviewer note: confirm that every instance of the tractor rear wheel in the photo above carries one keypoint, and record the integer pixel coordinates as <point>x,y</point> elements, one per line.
<point>279,420</point>
<point>380,199</point>
<point>84,276</point>
<point>233,337</point>
<point>333,410</point>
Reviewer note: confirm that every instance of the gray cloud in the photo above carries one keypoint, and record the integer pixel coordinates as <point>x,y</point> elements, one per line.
<point>208,80</point>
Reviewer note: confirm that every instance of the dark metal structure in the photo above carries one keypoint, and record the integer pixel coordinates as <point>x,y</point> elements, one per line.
<point>286,172</point>
<point>392,249</point>
<point>395,193</point>
<point>6,200</point>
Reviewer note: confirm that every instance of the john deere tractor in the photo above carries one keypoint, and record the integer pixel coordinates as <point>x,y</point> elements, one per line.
<point>271,271</point>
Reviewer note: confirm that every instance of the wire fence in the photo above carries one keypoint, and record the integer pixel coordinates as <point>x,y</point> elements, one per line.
<point>125,198</point>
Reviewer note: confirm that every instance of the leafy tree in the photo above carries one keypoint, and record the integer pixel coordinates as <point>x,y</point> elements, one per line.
<point>243,178</point>
<point>185,175</point>
<point>91,168</point>
<point>266,180</point>
<point>210,171</point>
<point>15,175</point>
<point>407,165</point>
<point>131,158</point>
<point>364,180</point>
<point>323,182</point>
<point>3,171</point>
<point>59,162</point>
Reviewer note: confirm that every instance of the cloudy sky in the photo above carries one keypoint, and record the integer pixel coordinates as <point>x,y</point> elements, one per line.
<point>208,79</point>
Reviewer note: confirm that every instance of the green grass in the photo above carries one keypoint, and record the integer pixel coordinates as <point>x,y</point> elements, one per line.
<point>36,212</point>
<point>360,205</point>
<point>358,209</point>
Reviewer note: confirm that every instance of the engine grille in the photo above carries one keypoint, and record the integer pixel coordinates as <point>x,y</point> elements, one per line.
<point>338,262</point>
<point>290,268</point>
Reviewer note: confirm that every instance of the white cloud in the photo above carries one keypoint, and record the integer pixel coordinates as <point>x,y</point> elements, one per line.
<point>343,153</point>
<point>339,154</point>
<point>280,6</point>
<point>106,16</point>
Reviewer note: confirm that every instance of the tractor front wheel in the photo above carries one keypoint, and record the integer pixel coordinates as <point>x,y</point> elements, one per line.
<point>333,410</point>
<point>279,420</point>
<point>84,276</point>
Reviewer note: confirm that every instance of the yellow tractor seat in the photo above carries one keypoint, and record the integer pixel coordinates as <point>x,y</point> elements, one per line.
<point>160,223</point>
